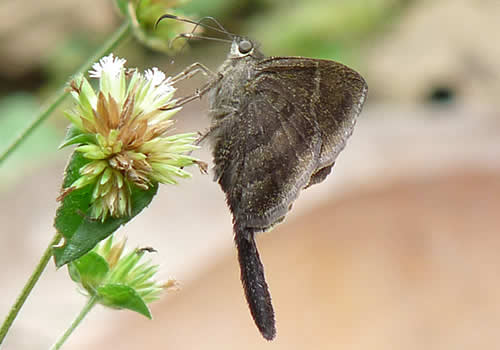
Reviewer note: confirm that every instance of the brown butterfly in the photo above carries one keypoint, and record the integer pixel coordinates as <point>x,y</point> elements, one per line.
<point>278,124</point>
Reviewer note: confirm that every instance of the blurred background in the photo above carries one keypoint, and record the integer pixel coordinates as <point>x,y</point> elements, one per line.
<point>396,249</point>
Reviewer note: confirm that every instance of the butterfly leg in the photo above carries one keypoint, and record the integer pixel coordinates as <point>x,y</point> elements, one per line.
<point>188,73</point>
<point>182,101</point>
<point>193,70</point>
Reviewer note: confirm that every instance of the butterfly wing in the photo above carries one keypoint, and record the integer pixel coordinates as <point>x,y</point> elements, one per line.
<point>294,118</point>
<point>267,155</point>
<point>336,95</point>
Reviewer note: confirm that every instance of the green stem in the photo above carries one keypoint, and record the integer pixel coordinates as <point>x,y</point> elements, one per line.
<point>121,34</point>
<point>90,304</point>
<point>28,287</point>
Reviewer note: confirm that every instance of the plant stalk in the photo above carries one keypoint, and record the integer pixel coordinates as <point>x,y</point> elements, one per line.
<point>90,304</point>
<point>28,287</point>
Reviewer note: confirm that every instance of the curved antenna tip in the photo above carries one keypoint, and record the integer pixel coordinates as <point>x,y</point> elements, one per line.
<point>163,17</point>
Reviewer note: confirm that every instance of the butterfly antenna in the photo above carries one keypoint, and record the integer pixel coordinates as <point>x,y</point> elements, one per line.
<point>217,23</point>
<point>220,28</point>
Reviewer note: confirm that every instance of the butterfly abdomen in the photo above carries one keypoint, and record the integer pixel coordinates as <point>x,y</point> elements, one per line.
<point>254,283</point>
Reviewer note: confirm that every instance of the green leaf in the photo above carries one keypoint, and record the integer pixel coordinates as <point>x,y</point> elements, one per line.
<point>71,212</point>
<point>121,296</point>
<point>73,220</point>
<point>89,271</point>
<point>77,136</point>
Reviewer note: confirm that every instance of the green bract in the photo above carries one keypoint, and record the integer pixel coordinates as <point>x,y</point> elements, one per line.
<point>116,280</point>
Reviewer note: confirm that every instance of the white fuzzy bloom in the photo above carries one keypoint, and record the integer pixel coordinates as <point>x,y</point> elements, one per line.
<point>159,85</point>
<point>155,92</point>
<point>109,64</point>
<point>154,75</point>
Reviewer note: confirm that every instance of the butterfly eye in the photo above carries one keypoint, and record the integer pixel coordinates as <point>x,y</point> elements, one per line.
<point>245,46</point>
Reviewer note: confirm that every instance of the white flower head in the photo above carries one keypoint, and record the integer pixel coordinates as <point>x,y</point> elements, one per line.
<point>125,125</point>
<point>156,91</point>
<point>155,76</point>
<point>109,64</point>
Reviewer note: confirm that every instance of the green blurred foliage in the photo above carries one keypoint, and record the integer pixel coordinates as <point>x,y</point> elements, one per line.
<point>321,29</point>
<point>332,29</point>
<point>15,113</point>
<point>67,58</point>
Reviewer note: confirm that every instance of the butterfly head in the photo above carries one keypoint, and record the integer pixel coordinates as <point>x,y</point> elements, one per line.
<point>243,47</point>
